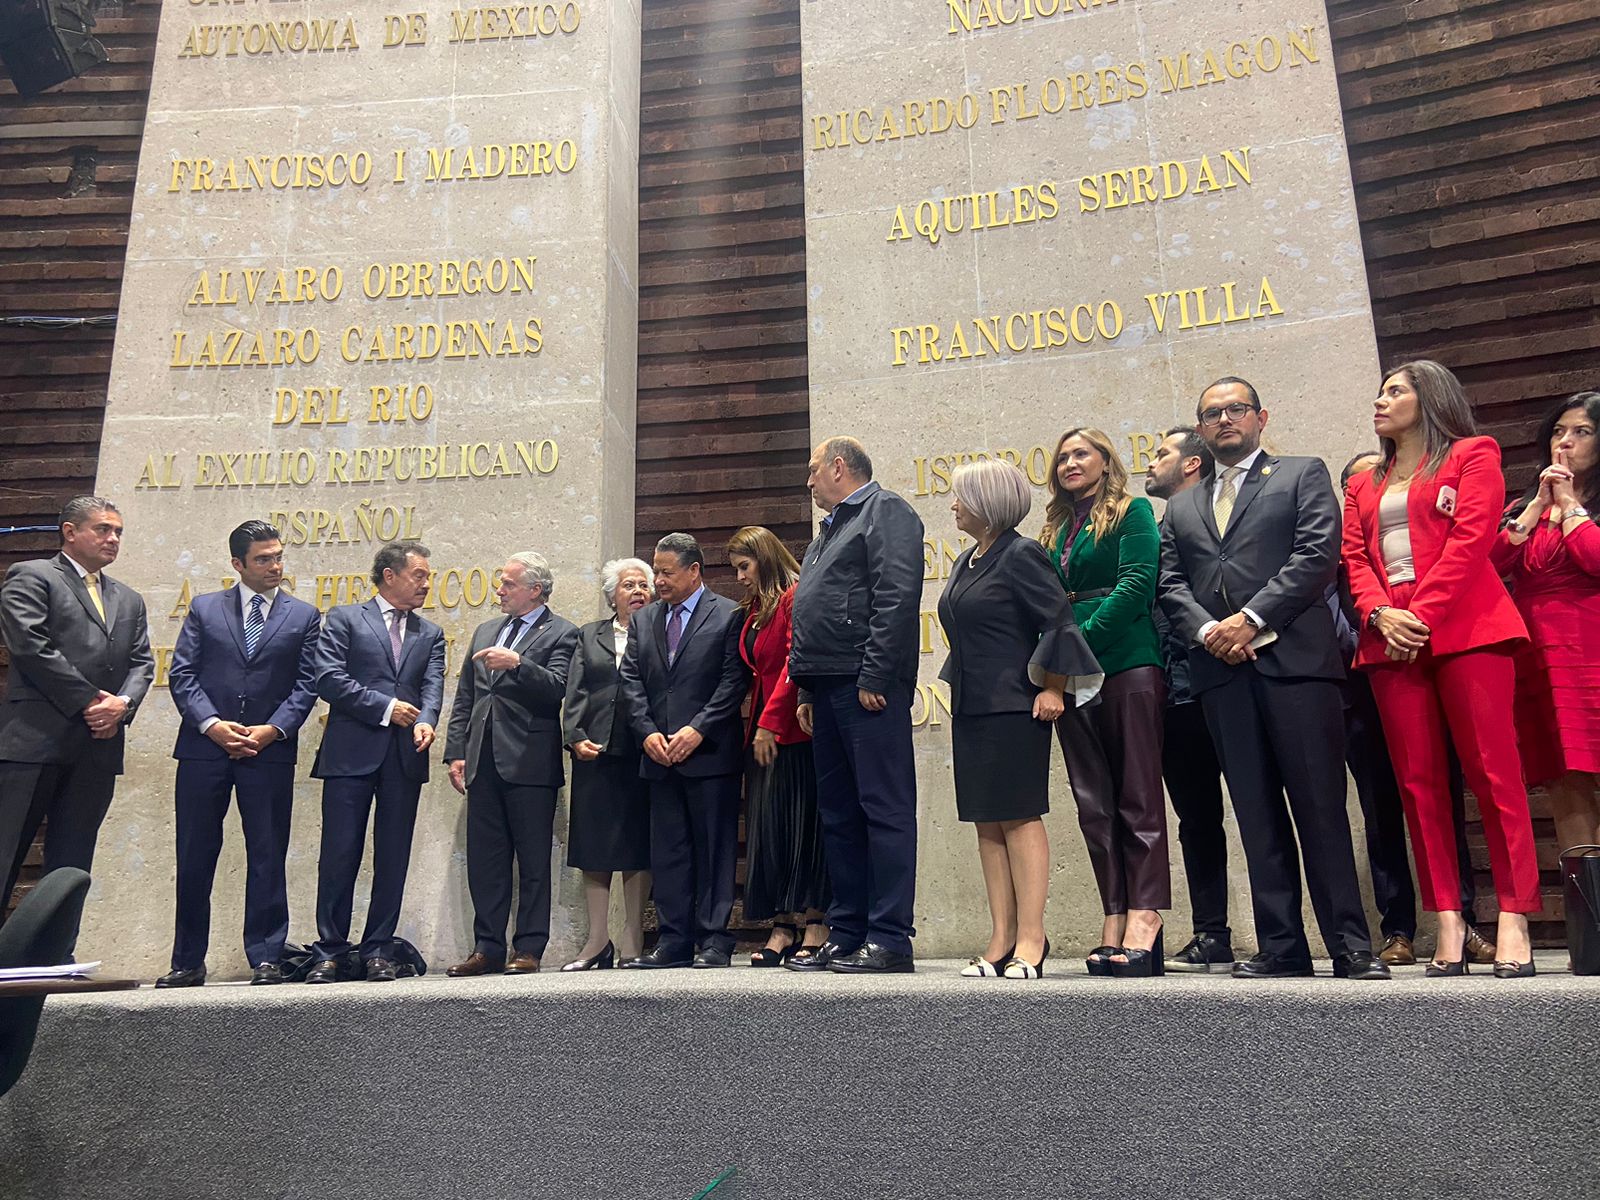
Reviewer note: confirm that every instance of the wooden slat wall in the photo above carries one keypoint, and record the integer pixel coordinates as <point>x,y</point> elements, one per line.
<point>723,403</point>
<point>1474,133</point>
<point>67,161</point>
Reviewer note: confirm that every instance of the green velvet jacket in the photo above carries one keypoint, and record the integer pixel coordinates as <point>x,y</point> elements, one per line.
<point>1120,628</point>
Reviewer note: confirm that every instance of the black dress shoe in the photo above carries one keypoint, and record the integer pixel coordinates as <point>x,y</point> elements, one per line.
<point>656,960</point>
<point>712,957</point>
<point>1205,952</point>
<point>324,970</point>
<point>1270,966</point>
<point>1362,964</point>
<point>194,978</point>
<point>873,959</point>
<point>380,970</point>
<point>816,958</point>
<point>267,972</point>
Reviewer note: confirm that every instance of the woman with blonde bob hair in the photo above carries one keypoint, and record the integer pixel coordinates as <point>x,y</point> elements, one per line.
<point>1017,661</point>
<point>1104,546</point>
<point>787,880</point>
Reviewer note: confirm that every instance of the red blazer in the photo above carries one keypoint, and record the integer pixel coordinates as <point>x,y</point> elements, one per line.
<point>1458,594</point>
<point>773,695</point>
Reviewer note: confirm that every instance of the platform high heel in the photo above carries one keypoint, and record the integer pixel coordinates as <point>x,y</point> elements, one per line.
<point>776,958</point>
<point>1141,964</point>
<point>1099,961</point>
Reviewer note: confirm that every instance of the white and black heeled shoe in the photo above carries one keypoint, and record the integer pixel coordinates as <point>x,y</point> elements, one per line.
<point>981,968</point>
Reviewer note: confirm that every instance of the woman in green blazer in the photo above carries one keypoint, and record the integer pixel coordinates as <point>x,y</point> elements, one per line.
<point>1104,545</point>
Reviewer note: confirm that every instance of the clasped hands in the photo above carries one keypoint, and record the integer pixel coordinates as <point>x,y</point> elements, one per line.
<point>405,716</point>
<point>669,752</point>
<point>104,715</point>
<point>1230,639</point>
<point>1403,632</point>
<point>242,741</point>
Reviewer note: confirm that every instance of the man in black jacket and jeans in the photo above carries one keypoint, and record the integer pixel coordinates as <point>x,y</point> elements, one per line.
<point>854,657</point>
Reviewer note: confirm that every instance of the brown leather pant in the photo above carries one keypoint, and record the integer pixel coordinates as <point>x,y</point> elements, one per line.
<point>1113,755</point>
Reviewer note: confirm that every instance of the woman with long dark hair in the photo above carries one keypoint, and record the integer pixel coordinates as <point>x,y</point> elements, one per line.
<point>1104,545</point>
<point>1438,637</point>
<point>786,880</point>
<point>1551,550</point>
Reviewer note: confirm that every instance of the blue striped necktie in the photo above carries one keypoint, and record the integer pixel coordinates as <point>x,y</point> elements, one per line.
<point>254,626</point>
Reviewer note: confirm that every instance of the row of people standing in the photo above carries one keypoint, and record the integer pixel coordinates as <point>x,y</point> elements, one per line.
<point>1258,644</point>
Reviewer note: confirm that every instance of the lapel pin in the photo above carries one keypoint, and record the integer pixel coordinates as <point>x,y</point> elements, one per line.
<point>1265,471</point>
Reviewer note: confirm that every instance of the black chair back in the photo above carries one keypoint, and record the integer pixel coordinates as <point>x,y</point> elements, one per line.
<point>40,933</point>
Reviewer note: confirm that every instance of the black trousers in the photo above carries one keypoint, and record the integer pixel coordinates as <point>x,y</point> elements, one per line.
<point>346,802</point>
<point>1194,781</point>
<point>266,798</point>
<point>694,847</point>
<point>867,800</point>
<point>73,796</point>
<point>1277,736</point>
<point>506,820</point>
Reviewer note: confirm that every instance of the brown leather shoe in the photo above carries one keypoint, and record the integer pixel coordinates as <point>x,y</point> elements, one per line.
<point>522,964</point>
<point>1398,952</point>
<point>1477,948</point>
<point>476,963</point>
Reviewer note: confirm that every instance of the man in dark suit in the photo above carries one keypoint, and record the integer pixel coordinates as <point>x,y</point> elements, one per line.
<point>682,684</point>
<point>243,678</point>
<point>854,655</point>
<point>1189,764</point>
<point>380,667</point>
<point>1246,563</point>
<point>80,667</point>
<point>504,750</point>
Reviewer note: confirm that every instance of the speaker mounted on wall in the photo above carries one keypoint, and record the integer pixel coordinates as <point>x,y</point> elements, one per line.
<point>46,42</point>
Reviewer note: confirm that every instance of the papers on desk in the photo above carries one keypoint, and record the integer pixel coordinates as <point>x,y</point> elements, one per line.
<point>64,971</point>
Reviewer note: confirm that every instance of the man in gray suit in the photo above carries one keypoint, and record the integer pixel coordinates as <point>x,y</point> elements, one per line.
<point>80,667</point>
<point>1246,562</point>
<point>504,749</point>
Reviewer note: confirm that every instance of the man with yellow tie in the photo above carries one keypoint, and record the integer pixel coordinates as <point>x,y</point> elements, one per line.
<point>80,666</point>
<point>1247,561</point>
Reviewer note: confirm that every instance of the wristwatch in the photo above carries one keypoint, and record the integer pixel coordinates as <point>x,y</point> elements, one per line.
<point>1372,617</point>
<point>1518,528</point>
<point>1577,510</point>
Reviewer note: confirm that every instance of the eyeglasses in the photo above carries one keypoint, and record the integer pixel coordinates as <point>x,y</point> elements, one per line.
<point>1234,413</point>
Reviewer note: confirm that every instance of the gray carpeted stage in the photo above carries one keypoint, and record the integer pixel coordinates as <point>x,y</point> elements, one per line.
<point>621,1084</point>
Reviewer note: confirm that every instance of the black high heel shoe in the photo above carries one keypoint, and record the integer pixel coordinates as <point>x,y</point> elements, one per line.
<point>981,968</point>
<point>1020,968</point>
<point>1141,963</point>
<point>600,962</point>
<point>765,957</point>
<point>1510,969</point>
<point>1099,961</point>
<point>1438,968</point>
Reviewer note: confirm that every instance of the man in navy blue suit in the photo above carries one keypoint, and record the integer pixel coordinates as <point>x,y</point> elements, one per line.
<point>682,684</point>
<point>380,667</point>
<point>242,677</point>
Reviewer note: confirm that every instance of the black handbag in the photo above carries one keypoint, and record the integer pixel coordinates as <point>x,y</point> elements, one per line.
<point>1580,882</point>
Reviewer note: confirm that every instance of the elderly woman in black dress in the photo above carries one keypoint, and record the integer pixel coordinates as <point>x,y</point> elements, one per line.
<point>609,827</point>
<point>1016,661</point>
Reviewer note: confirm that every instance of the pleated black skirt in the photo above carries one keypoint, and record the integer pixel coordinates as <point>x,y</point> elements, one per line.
<point>786,872</point>
<point>1002,766</point>
<point>609,825</point>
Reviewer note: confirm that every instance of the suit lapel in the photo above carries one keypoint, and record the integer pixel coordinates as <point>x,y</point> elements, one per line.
<point>1208,514</point>
<point>530,633</point>
<point>1249,488</point>
<point>232,618</point>
<point>409,642</point>
<point>380,630</point>
<point>80,589</point>
<point>967,574</point>
<point>275,618</point>
<point>658,626</point>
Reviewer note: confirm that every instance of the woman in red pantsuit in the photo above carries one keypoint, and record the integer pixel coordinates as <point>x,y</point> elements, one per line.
<point>1551,551</point>
<point>1439,633</point>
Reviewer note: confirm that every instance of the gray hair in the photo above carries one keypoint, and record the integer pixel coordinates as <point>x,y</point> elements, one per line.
<point>392,556</point>
<point>851,452</point>
<point>79,509</point>
<point>535,570</point>
<point>993,491</point>
<point>684,546</point>
<point>611,577</point>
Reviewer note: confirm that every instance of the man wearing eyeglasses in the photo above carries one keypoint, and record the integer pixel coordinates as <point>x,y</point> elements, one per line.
<point>1246,563</point>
